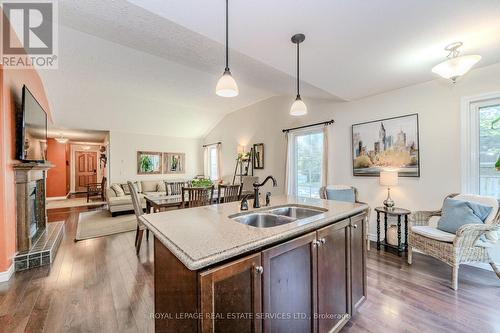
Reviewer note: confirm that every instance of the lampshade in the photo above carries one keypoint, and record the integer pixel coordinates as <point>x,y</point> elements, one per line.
<point>455,67</point>
<point>388,178</point>
<point>298,108</point>
<point>227,87</point>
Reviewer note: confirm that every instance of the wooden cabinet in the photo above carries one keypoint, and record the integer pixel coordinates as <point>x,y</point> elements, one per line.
<point>231,297</point>
<point>357,261</point>
<point>311,283</point>
<point>289,286</point>
<point>333,276</point>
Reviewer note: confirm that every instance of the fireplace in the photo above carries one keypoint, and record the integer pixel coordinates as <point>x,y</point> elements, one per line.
<point>30,203</point>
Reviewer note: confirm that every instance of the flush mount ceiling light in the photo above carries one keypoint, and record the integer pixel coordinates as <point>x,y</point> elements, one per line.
<point>61,139</point>
<point>226,86</point>
<point>298,108</point>
<point>456,65</point>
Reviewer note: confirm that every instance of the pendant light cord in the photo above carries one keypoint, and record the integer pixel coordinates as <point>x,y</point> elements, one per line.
<point>227,38</point>
<point>298,61</point>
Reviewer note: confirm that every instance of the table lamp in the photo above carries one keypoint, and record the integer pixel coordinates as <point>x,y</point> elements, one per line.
<point>389,178</point>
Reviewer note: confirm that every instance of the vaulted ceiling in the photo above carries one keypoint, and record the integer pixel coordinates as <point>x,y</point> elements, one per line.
<point>150,66</point>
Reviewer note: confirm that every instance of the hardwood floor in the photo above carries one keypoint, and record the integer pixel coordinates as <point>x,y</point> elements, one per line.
<point>100,285</point>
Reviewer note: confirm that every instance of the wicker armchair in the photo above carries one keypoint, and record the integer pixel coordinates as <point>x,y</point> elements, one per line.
<point>323,194</point>
<point>464,247</point>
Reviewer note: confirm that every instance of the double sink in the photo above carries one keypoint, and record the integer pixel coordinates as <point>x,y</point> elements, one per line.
<point>276,216</point>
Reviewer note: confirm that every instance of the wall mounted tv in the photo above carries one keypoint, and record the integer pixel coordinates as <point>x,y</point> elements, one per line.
<point>31,130</point>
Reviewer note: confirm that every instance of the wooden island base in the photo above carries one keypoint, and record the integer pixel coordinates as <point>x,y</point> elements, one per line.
<point>311,283</point>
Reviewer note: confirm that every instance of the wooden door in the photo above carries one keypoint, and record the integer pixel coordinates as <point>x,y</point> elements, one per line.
<point>289,286</point>
<point>358,261</point>
<point>231,297</point>
<point>333,276</point>
<point>86,169</point>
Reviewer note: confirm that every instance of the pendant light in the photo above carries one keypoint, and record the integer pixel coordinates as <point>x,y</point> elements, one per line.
<point>298,108</point>
<point>456,65</point>
<point>226,86</point>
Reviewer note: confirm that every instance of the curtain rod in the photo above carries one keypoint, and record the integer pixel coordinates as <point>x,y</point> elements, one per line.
<point>326,123</point>
<point>212,144</point>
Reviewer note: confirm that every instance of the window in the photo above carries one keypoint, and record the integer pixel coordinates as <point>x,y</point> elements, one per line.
<point>489,150</point>
<point>305,163</point>
<point>213,160</point>
<point>481,145</point>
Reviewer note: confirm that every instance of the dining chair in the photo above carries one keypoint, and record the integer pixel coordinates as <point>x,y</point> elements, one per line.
<point>175,187</point>
<point>197,196</point>
<point>97,189</point>
<point>136,202</point>
<point>229,193</point>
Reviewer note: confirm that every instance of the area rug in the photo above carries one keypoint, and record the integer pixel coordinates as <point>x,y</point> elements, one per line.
<point>73,202</point>
<point>100,223</point>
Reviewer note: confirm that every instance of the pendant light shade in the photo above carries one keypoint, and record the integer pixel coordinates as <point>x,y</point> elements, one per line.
<point>298,108</point>
<point>226,86</point>
<point>456,65</point>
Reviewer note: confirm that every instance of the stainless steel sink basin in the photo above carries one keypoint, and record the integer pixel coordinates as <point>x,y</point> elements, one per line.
<point>263,220</point>
<point>276,216</point>
<point>295,212</point>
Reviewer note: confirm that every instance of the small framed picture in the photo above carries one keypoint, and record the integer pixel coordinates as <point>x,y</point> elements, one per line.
<point>174,162</point>
<point>149,162</point>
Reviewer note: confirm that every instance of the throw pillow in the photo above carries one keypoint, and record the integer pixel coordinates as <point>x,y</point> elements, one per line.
<point>126,189</point>
<point>456,213</point>
<point>118,190</point>
<point>161,187</point>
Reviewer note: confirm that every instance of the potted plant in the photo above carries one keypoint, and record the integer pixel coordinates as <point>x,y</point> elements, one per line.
<point>201,182</point>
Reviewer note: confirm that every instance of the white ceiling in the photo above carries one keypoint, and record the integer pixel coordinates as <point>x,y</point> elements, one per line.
<point>150,66</point>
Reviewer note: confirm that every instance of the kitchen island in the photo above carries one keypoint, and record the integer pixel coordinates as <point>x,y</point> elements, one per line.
<point>216,272</point>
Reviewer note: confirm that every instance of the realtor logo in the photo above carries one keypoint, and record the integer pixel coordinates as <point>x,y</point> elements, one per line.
<point>29,34</point>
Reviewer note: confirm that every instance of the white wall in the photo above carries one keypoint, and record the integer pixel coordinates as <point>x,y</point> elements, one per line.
<point>436,102</point>
<point>123,155</point>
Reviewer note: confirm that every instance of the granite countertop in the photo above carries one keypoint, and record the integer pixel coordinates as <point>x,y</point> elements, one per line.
<point>202,236</point>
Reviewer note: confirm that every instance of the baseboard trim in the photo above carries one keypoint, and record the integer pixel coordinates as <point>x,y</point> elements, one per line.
<point>56,198</point>
<point>5,276</point>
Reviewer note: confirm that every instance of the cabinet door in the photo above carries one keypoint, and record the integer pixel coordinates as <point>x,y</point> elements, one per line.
<point>289,286</point>
<point>333,276</point>
<point>358,261</point>
<point>231,297</point>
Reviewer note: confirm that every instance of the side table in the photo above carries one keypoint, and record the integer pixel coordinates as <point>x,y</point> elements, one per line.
<point>399,212</point>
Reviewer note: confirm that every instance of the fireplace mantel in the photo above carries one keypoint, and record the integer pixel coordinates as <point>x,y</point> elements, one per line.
<point>30,202</point>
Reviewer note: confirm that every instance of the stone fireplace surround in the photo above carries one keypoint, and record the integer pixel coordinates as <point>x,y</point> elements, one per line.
<point>37,240</point>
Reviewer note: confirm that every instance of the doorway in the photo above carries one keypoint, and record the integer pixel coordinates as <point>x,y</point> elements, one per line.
<point>85,169</point>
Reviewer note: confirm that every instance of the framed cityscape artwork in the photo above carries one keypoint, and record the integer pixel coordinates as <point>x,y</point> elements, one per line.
<point>390,143</point>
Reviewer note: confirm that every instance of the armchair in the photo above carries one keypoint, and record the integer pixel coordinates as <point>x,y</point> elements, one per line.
<point>463,247</point>
<point>344,193</point>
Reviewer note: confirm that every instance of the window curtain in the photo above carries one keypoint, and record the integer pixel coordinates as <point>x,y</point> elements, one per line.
<point>287,165</point>
<point>324,169</point>
<point>206,166</point>
<point>219,175</point>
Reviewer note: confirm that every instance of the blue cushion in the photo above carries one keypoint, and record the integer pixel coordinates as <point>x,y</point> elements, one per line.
<point>347,195</point>
<point>456,213</point>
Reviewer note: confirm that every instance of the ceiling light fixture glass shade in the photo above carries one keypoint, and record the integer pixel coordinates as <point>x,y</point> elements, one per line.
<point>298,108</point>
<point>61,139</point>
<point>226,86</point>
<point>456,65</point>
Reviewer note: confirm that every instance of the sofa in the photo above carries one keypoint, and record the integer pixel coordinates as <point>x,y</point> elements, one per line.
<point>119,199</point>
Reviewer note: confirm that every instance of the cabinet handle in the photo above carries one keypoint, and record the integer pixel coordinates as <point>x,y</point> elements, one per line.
<point>322,240</point>
<point>355,226</point>
<point>316,243</point>
<point>259,269</point>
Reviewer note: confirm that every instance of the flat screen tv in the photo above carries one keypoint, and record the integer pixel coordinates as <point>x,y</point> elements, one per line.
<point>31,130</point>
